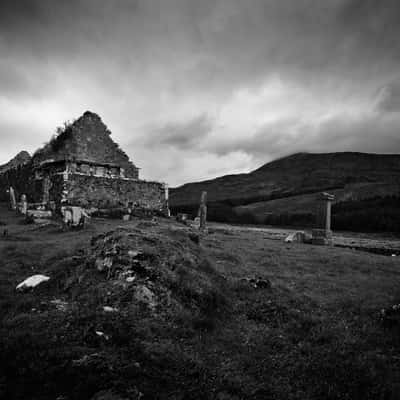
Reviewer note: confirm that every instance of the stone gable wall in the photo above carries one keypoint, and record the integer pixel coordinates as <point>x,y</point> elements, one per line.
<point>88,138</point>
<point>93,142</point>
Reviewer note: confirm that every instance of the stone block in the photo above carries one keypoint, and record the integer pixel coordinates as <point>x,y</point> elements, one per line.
<point>297,237</point>
<point>322,237</point>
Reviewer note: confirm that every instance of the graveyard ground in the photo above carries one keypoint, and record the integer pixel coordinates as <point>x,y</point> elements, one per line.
<point>206,323</point>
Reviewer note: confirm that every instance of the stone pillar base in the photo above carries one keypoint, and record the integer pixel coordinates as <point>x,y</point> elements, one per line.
<point>322,237</point>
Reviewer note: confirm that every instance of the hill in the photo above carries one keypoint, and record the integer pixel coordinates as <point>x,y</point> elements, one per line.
<point>21,158</point>
<point>283,192</point>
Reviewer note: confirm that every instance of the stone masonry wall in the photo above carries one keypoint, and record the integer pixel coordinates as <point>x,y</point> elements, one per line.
<point>92,191</point>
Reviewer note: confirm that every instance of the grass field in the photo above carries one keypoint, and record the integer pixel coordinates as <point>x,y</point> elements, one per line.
<point>206,332</point>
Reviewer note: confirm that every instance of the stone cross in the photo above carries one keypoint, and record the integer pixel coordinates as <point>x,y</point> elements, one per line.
<point>13,202</point>
<point>203,211</point>
<point>323,233</point>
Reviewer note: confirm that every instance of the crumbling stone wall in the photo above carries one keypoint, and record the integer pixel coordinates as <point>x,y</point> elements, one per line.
<point>92,191</point>
<point>56,189</point>
<point>85,167</point>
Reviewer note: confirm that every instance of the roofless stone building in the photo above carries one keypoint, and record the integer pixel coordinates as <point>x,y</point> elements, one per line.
<point>83,166</point>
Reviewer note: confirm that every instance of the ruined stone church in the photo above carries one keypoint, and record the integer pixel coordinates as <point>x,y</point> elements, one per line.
<point>83,166</point>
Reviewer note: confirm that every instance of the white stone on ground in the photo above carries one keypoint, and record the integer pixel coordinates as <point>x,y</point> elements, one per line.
<point>110,309</point>
<point>32,281</point>
<point>295,237</point>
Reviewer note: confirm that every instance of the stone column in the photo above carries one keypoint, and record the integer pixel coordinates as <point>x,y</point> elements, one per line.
<point>323,234</point>
<point>203,211</point>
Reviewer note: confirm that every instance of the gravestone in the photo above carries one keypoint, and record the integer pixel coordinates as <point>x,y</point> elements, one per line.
<point>203,211</point>
<point>322,234</point>
<point>23,205</point>
<point>13,202</point>
<point>167,211</point>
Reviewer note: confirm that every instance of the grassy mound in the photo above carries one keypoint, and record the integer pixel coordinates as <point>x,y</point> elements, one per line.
<point>113,318</point>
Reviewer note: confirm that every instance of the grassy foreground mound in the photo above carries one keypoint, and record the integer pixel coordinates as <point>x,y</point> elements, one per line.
<point>142,310</point>
<point>113,318</point>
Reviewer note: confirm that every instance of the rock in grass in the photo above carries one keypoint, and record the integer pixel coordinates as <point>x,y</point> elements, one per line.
<point>258,283</point>
<point>391,316</point>
<point>134,253</point>
<point>102,334</point>
<point>194,237</point>
<point>111,395</point>
<point>298,237</point>
<point>103,264</point>
<point>32,281</point>
<point>144,295</point>
<point>110,309</point>
<point>59,304</point>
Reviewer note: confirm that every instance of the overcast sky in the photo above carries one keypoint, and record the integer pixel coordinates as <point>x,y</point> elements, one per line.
<point>195,89</point>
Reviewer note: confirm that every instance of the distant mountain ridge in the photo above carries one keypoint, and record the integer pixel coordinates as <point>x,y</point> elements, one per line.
<point>268,190</point>
<point>23,157</point>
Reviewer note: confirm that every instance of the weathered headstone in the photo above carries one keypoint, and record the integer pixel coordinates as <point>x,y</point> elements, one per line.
<point>13,202</point>
<point>203,211</point>
<point>74,216</point>
<point>322,234</point>
<point>167,212</point>
<point>23,205</point>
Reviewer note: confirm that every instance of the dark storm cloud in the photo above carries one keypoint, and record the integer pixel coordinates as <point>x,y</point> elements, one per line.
<point>181,135</point>
<point>218,43</point>
<point>389,97</point>
<point>374,23</point>
<point>368,133</point>
<point>154,62</point>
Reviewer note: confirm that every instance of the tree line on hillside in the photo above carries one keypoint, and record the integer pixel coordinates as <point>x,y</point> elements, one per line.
<point>20,179</point>
<point>375,214</point>
<point>243,201</point>
<point>369,215</point>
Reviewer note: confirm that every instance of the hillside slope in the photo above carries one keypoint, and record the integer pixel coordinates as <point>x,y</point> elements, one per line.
<point>289,186</point>
<point>21,158</point>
